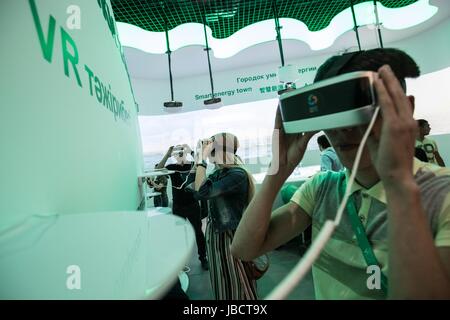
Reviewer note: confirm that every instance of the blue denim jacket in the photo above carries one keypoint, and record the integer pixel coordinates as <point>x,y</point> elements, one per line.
<point>227,193</point>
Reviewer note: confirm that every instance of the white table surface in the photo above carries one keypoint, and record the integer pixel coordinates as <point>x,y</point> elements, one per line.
<point>158,211</point>
<point>121,255</point>
<point>299,174</point>
<point>150,174</point>
<point>153,194</point>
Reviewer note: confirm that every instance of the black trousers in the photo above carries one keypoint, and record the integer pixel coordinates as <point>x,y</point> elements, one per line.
<point>192,212</point>
<point>176,293</point>
<point>161,201</point>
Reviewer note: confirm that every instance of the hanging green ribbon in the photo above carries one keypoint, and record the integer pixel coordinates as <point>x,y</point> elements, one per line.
<point>361,237</point>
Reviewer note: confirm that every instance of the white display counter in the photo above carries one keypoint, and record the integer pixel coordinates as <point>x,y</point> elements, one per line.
<point>109,255</point>
<point>300,174</point>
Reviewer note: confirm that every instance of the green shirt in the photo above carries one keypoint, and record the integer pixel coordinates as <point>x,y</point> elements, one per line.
<point>430,147</point>
<point>340,270</point>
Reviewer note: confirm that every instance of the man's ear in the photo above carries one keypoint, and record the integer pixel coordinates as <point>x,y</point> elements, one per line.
<point>412,99</point>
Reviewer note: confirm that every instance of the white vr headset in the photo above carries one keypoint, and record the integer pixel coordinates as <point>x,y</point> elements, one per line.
<point>342,101</point>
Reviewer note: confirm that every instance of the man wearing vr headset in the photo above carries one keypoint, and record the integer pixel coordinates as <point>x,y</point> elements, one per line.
<point>402,203</point>
<point>184,204</point>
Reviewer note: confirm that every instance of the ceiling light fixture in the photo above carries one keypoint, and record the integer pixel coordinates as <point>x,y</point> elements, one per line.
<point>213,102</point>
<point>172,105</point>
<point>377,23</point>
<point>355,25</point>
<point>287,75</point>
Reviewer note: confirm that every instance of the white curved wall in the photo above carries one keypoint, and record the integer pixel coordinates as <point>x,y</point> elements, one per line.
<point>62,149</point>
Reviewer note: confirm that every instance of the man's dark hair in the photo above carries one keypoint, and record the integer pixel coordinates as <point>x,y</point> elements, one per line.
<point>323,141</point>
<point>401,64</point>
<point>422,123</point>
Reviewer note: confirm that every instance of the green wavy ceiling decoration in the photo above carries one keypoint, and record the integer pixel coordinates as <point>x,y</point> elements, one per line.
<point>225,17</point>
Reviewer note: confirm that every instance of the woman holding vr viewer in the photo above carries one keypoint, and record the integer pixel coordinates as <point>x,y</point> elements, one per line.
<point>228,191</point>
<point>402,203</point>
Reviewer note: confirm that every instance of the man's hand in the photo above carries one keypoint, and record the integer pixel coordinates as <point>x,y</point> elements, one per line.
<point>198,157</point>
<point>203,150</point>
<point>186,149</point>
<point>159,187</point>
<point>287,149</point>
<point>393,154</point>
<point>150,182</point>
<point>162,163</point>
<point>207,146</point>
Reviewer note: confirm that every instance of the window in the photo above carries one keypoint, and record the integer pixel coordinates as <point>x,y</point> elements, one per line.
<point>251,122</point>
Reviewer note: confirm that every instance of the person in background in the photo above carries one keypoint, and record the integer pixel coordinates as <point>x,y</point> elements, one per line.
<point>426,144</point>
<point>160,185</point>
<point>328,158</point>
<point>228,190</point>
<point>184,204</point>
<point>398,211</point>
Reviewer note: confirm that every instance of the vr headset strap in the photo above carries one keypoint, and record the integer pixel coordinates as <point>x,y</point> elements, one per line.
<point>341,63</point>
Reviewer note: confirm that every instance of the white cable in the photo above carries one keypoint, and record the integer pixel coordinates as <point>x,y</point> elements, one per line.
<point>299,271</point>
<point>181,186</point>
<point>187,177</point>
<point>351,179</point>
<point>296,275</point>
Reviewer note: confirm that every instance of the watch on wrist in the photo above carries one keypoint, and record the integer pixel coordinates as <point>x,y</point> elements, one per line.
<point>202,164</point>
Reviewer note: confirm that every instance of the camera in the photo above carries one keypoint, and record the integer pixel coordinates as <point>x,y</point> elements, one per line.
<point>205,142</point>
<point>178,151</point>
